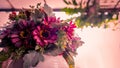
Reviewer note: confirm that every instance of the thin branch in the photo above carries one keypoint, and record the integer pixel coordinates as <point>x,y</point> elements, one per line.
<point>114,11</point>
<point>87,6</point>
<point>45,1</point>
<point>10,4</point>
<point>117,4</point>
<point>81,3</point>
<point>94,3</point>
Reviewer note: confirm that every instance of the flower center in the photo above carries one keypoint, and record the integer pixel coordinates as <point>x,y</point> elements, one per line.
<point>44,33</point>
<point>23,34</point>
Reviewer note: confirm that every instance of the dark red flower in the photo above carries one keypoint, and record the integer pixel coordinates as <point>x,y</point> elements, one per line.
<point>21,34</point>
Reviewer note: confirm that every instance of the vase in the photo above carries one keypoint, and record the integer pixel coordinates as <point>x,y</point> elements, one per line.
<point>53,62</point>
<point>9,63</point>
<point>49,62</point>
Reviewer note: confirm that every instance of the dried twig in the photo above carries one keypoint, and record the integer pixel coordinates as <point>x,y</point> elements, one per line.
<point>10,4</point>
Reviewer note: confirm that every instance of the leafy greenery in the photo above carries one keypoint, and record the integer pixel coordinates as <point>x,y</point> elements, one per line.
<point>90,15</point>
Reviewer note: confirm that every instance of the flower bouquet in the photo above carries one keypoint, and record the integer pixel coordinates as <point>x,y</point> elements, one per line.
<point>37,32</point>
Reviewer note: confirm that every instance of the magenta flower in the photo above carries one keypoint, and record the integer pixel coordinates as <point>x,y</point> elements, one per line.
<point>21,33</point>
<point>69,29</point>
<point>43,35</point>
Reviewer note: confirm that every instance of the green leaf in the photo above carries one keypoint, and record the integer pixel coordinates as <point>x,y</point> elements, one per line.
<point>19,52</point>
<point>106,25</point>
<point>71,11</point>
<point>87,24</point>
<point>79,23</point>
<point>4,56</point>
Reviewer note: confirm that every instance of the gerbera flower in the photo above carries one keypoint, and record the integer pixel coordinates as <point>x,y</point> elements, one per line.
<point>69,29</point>
<point>43,35</point>
<point>21,33</point>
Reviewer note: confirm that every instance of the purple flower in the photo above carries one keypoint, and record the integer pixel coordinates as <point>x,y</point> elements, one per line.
<point>75,43</point>
<point>5,31</point>
<point>44,35</point>
<point>21,33</point>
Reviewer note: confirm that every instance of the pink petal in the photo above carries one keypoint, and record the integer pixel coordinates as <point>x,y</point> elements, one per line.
<point>24,23</point>
<point>14,35</point>
<point>18,44</point>
<point>15,40</point>
<point>35,32</point>
<point>38,27</point>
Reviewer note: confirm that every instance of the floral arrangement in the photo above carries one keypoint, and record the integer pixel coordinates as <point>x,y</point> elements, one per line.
<point>38,32</point>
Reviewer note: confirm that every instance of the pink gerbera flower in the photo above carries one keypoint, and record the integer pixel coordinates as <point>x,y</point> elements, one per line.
<point>43,35</point>
<point>69,29</point>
